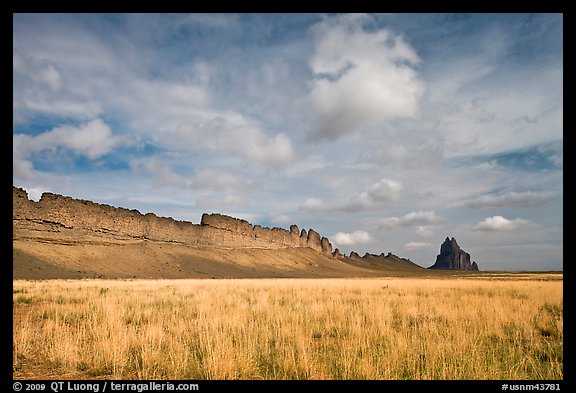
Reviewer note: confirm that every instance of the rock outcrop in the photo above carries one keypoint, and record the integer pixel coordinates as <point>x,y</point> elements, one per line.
<point>314,241</point>
<point>388,262</point>
<point>294,229</point>
<point>326,246</point>
<point>452,257</point>
<point>60,217</point>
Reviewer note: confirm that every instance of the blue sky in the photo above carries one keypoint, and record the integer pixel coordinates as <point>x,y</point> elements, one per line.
<point>384,132</point>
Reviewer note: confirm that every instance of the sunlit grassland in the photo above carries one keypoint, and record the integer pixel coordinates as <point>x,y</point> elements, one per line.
<point>405,328</point>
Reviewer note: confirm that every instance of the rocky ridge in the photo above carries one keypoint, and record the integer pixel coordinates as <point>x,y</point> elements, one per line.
<point>56,216</point>
<point>64,237</point>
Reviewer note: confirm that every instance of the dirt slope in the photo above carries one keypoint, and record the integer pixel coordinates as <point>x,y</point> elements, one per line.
<point>45,260</point>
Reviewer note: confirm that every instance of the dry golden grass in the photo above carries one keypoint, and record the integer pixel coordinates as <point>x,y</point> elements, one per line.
<point>458,328</point>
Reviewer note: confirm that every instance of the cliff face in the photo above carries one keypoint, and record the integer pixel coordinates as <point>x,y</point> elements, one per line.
<point>59,217</point>
<point>453,257</point>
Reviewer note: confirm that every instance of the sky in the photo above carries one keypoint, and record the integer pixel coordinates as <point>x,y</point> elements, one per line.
<point>383,132</point>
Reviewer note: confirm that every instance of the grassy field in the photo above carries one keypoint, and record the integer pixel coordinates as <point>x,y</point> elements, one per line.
<point>403,328</point>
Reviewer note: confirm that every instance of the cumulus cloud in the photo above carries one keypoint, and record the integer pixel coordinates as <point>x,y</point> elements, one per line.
<point>162,174</point>
<point>511,199</point>
<point>245,140</point>
<point>205,179</point>
<point>351,239</point>
<point>424,230</point>
<point>361,77</point>
<point>416,245</point>
<point>373,196</point>
<point>499,223</point>
<point>423,222</point>
<point>381,191</point>
<point>418,218</point>
<point>314,205</point>
<point>92,140</point>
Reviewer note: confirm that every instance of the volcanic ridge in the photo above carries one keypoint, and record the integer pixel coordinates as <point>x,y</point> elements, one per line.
<point>63,237</point>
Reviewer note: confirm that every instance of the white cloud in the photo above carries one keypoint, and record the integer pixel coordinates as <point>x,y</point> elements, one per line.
<point>371,197</point>
<point>423,222</point>
<point>162,174</point>
<point>245,140</point>
<point>361,77</point>
<point>92,140</point>
<point>382,190</point>
<point>416,245</point>
<point>23,169</point>
<point>398,155</point>
<point>75,72</point>
<point>62,107</point>
<point>57,71</point>
<point>205,179</point>
<point>424,230</point>
<point>314,204</point>
<point>511,199</point>
<point>350,239</point>
<point>388,222</point>
<point>279,218</point>
<point>499,223</point>
<point>420,219</point>
<point>216,202</point>
<point>161,104</point>
<point>41,72</point>
<point>218,179</point>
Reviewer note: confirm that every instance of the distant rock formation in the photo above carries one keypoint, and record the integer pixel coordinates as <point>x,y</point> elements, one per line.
<point>389,262</point>
<point>326,246</point>
<point>314,241</point>
<point>452,257</point>
<point>294,229</point>
<point>56,216</point>
<point>388,256</point>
